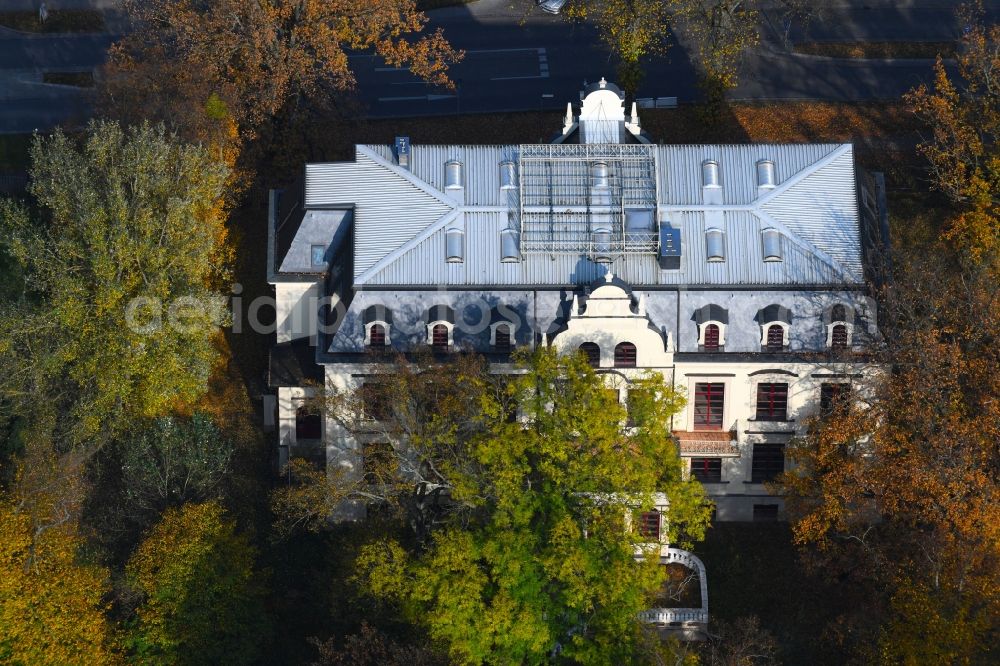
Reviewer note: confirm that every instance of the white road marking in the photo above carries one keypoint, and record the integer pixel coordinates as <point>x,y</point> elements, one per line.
<point>428,98</point>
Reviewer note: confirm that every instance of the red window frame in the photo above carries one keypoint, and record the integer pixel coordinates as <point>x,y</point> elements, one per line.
<point>593,353</point>
<point>439,337</point>
<point>649,524</point>
<point>707,470</point>
<point>838,337</point>
<point>775,338</point>
<point>772,401</point>
<point>502,337</point>
<point>709,405</point>
<point>376,335</point>
<point>711,337</point>
<point>625,355</point>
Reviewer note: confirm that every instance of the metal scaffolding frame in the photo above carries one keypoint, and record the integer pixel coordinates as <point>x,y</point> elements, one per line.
<point>593,199</point>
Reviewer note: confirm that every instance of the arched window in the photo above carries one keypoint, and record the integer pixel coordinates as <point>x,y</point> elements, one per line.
<point>838,337</point>
<point>711,337</point>
<point>625,355</point>
<point>439,337</point>
<point>376,336</point>
<point>308,424</point>
<point>503,338</point>
<point>838,313</point>
<point>775,338</point>
<point>593,353</point>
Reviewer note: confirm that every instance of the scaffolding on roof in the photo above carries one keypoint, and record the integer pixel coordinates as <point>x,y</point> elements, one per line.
<point>598,200</point>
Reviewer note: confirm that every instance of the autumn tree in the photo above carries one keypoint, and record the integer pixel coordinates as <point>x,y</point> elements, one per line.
<point>201,596</point>
<point>537,476</point>
<point>897,487</point>
<point>218,64</point>
<point>963,147</point>
<point>52,608</point>
<point>120,262</point>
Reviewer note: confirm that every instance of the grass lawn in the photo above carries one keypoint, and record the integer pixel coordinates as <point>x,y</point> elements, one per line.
<point>863,50</point>
<point>59,20</point>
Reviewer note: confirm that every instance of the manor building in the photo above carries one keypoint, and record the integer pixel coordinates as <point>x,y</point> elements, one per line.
<point>737,271</point>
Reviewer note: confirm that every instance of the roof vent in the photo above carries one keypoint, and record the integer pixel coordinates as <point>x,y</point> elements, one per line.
<point>602,245</point>
<point>715,243</point>
<point>599,174</point>
<point>710,174</point>
<point>453,175</point>
<point>455,245</point>
<point>510,252</point>
<point>772,244</point>
<point>403,151</point>
<point>765,174</point>
<point>508,176</point>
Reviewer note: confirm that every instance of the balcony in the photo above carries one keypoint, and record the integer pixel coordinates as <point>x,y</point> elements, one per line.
<point>683,623</point>
<point>697,443</point>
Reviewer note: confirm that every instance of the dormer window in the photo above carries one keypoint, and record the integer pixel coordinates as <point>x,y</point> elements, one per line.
<point>712,321</point>
<point>377,335</point>
<point>839,327</point>
<point>440,328</point>
<point>502,338</point>
<point>625,355</point>
<point>510,252</point>
<point>378,322</point>
<point>775,325</point>
<point>711,337</point>
<point>440,337</point>
<point>771,239</point>
<point>593,353</point>
<point>775,340</point>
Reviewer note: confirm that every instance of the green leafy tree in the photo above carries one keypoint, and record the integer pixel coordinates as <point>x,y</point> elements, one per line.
<point>534,560</point>
<point>117,317</point>
<point>202,598</point>
<point>172,462</point>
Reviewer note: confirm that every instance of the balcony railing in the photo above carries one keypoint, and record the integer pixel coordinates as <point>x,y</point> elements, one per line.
<point>674,615</point>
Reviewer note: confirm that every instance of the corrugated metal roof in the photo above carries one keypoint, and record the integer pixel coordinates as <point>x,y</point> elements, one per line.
<point>400,217</point>
<point>389,210</point>
<point>425,264</point>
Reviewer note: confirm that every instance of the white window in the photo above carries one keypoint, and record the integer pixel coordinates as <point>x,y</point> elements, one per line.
<point>318,255</point>
<point>772,332</point>
<point>840,328</point>
<point>765,174</point>
<point>440,334</point>
<point>502,334</point>
<point>509,250</point>
<point>377,334</point>
<point>711,335</point>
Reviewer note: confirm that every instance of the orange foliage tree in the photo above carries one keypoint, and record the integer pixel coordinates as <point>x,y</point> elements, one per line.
<point>214,66</point>
<point>899,484</point>
<point>51,602</point>
<point>963,149</point>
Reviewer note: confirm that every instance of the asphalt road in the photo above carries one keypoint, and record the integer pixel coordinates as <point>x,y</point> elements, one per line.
<point>520,59</point>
